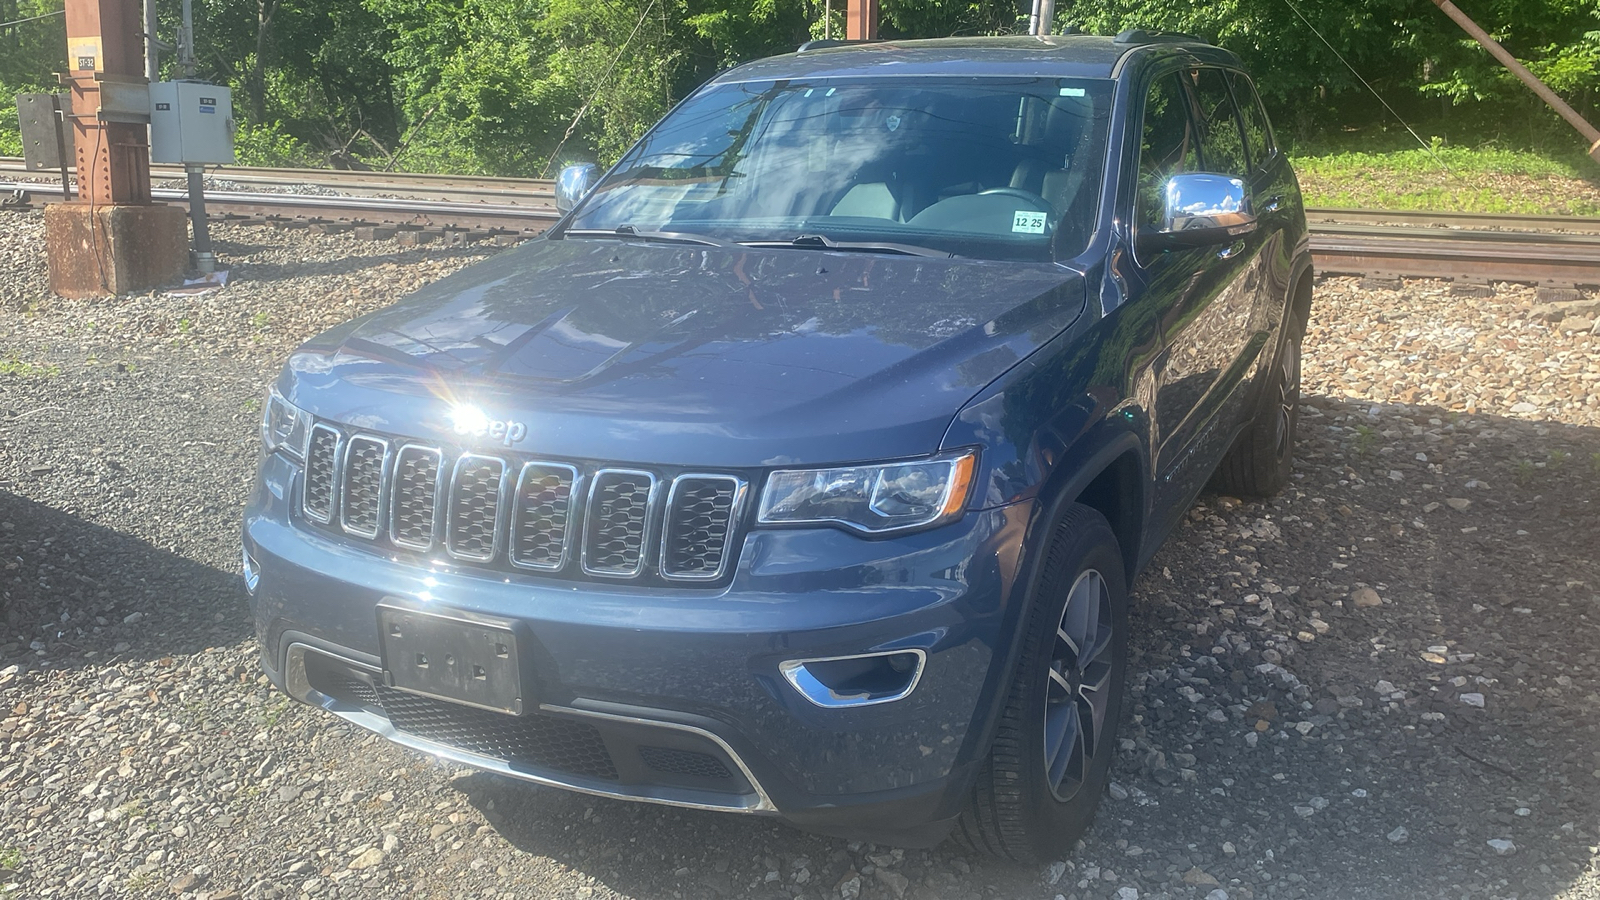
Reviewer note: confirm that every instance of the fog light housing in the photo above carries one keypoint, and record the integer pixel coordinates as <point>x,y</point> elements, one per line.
<point>865,679</point>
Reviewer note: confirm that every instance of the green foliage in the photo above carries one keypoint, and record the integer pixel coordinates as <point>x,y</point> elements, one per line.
<point>30,55</point>
<point>1489,160</point>
<point>31,52</point>
<point>1486,180</point>
<point>21,368</point>
<point>521,86</point>
<point>268,144</point>
<point>950,18</point>
<point>1412,54</point>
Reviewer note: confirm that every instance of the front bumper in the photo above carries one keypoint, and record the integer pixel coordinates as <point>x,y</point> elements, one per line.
<point>677,687</point>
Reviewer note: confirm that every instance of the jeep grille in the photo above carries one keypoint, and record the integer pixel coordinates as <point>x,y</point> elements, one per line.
<point>501,511</point>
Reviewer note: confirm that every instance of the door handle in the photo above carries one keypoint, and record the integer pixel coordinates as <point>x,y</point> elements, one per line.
<point>1273,204</point>
<point>1230,251</point>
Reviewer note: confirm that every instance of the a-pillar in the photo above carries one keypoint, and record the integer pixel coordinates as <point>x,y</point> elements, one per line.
<point>861,20</point>
<point>112,238</point>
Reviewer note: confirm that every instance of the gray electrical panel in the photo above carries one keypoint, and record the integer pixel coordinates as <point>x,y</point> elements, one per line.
<point>191,122</point>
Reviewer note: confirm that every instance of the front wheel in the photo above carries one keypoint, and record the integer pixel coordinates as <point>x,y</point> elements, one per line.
<point>1041,783</point>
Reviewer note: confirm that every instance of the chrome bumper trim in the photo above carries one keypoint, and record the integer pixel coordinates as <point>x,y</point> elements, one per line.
<point>809,687</point>
<point>299,687</point>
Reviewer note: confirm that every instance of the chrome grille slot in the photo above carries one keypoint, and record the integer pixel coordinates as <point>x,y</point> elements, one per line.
<point>473,528</point>
<point>322,463</point>
<point>412,509</point>
<point>361,494</point>
<point>541,520</point>
<point>617,522</point>
<point>702,514</point>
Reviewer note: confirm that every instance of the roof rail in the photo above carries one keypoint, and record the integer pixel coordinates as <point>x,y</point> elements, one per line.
<point>825,43</point>
<point>1144,36</point>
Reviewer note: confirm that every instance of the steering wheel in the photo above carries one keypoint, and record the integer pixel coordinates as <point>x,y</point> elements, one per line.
<point>1020,194</point>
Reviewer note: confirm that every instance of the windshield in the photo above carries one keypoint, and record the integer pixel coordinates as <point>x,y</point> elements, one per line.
<point>996,168</point>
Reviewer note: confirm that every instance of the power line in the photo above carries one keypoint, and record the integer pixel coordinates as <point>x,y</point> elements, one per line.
<point>1427,149</point>
<point>603,79</point>
<point>47,15</point>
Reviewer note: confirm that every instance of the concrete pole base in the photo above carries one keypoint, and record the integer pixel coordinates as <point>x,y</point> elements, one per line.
<point>114,250</point>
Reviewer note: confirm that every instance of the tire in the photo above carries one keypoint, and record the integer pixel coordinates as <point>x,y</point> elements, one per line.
<point>1261,459</point>
<point>1030,803</point>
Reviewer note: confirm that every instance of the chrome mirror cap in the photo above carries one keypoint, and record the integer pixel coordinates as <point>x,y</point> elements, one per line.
<point>573,184</point>
<point>1199,202</point>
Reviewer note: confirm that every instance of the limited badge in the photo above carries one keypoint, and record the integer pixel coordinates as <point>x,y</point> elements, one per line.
<point>1026,221</point>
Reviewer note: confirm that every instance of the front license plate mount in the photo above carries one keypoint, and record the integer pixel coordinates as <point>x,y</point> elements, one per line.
<point>453,655</point>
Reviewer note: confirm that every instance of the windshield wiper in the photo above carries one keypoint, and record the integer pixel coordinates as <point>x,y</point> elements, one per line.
<point>661,237</point>
<point>821,242</point>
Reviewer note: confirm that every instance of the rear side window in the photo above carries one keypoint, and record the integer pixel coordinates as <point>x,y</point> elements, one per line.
<point>1222,142</point>
<point>1257,131</point>
<point>1168,145</point>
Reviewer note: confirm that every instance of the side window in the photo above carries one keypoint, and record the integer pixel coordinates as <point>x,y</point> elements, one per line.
<point>1167,146</point>
<point>1222,142</point>
<point>1256,130</point>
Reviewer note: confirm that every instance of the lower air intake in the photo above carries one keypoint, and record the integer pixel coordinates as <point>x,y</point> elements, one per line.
<point>545,741</point>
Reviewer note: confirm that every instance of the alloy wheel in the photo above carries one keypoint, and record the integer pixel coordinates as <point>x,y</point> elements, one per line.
<point>1077,695</point>
<point>1288,397</point>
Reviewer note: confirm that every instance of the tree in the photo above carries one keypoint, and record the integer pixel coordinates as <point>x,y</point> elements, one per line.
<point>1407,49</point>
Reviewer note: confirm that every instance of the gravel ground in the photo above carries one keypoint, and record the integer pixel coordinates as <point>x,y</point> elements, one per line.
<point>1381,684</point>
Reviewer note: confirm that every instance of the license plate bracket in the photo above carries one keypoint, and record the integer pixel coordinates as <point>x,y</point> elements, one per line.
<point>453,655</point>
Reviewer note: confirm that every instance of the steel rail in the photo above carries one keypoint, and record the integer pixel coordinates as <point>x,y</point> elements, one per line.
<point>1569,259</point>
<point>1321,217</point>
<point>541,192</point>
<point>423,186</point>
<point>317,209</point>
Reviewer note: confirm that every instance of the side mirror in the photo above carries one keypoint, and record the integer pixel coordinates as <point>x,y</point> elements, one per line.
<point>573,184</point>
<point>1202,210</point>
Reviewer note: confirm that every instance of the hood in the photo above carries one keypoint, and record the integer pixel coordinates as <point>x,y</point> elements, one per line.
<point>686,355</point>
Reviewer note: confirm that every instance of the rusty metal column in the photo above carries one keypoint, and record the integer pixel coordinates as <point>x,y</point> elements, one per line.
<point>111,238</point>
<point>1589,132</point>
<point>104,39</point>
<point>861,20</point>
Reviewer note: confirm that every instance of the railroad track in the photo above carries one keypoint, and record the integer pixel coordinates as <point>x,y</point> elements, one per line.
<point>1470,249</point>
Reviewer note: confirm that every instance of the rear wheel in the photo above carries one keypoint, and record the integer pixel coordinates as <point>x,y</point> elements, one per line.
<point>1261,460</point>
<point>1041,783</point>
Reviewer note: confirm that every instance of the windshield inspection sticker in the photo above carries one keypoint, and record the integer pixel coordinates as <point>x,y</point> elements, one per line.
<point>1026,221</point>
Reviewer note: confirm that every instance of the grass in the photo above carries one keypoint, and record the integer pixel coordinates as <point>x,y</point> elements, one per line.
<point>272,716</point>
<point>11,858</point>
<point>23,369</point>
<point>1522,473</point>
<point>1366,439</point>
<point>1482,180</point>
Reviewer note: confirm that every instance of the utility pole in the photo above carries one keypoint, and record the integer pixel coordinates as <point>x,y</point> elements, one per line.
<point>152,43</point>
<point>1589,132</point>
<point>1043,19</point>
<point>111,238</point>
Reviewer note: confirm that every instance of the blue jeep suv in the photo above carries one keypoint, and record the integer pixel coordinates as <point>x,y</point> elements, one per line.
<point>802,468</point>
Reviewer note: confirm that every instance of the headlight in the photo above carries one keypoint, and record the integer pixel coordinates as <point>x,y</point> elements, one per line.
<point>284,426</point>
<point>871,499</point>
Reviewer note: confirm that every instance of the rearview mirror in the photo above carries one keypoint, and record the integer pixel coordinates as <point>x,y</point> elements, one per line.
<point>573,184</point>
<point>1203,209</point>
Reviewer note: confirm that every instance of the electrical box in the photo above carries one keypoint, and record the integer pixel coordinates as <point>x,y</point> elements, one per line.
<point>190,122</point>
